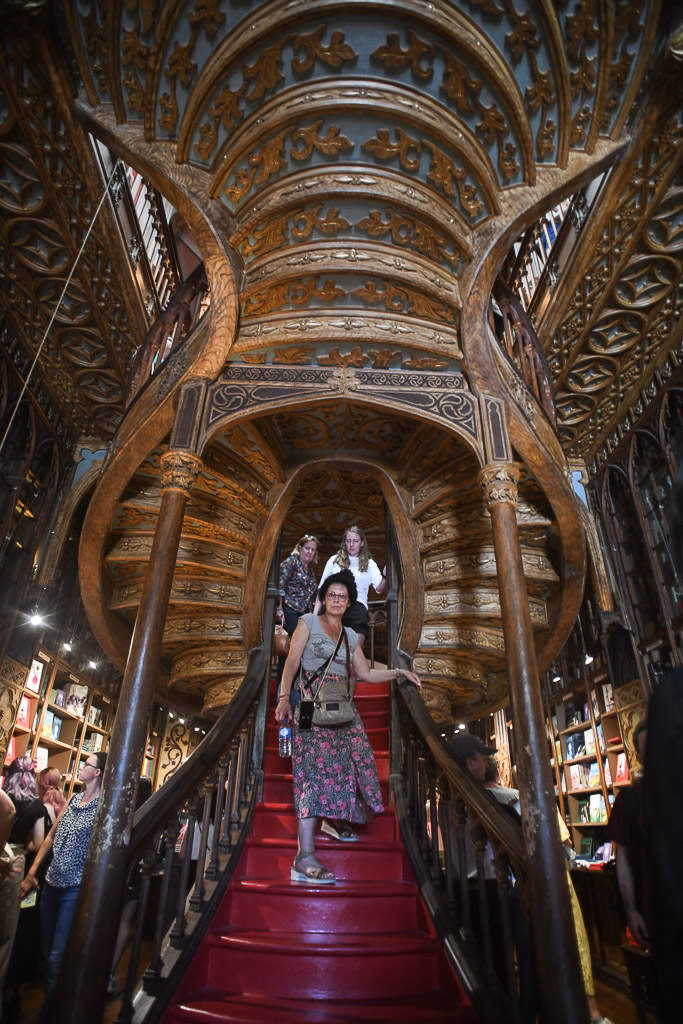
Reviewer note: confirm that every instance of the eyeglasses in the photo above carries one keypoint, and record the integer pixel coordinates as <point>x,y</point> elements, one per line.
<point>336,597</point>
<point>86,764</point>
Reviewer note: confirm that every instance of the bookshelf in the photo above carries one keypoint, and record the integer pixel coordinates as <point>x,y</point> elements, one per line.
<point>589,756</point>
<point>62,717</point>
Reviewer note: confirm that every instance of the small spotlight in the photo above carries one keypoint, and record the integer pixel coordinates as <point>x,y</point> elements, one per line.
<point>557,679</point>
<point>66,645</point>
<point>36,619</point>
<point>588,660</point>
<point>196,728</point>
<point>182,721</point>
<point>92,664</point>
<point>171,715</point>
<point>462,726</point>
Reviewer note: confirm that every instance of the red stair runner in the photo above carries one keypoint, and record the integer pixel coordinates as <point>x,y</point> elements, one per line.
<point>362,950</point>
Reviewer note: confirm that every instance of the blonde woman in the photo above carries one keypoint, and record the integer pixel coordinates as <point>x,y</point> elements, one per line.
<point>355,555</point>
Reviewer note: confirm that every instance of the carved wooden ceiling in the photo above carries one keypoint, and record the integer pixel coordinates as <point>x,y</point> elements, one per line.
<point>365,158</point>
<point>363,169</point>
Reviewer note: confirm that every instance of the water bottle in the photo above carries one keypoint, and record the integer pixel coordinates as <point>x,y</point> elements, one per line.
<point>285,740</point>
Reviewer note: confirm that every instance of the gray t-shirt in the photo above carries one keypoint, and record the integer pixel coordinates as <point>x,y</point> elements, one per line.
<point>319,647</point>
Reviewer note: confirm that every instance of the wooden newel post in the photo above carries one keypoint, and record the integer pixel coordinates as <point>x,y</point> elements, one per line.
<point>81,992</point>
<point>562,996</point>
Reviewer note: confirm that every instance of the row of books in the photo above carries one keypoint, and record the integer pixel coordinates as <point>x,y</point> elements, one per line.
<point>584,776</point>
<point>93,743</point>
<point>52,725</point>
<point>592,810</point>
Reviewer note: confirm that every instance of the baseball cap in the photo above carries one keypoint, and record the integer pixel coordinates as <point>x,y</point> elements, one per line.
<point>464,745</point>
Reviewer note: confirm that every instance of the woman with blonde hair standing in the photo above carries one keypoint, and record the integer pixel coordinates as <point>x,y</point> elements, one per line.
<point>354,555</point>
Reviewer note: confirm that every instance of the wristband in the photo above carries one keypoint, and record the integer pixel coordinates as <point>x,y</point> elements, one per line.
<point>285,696</point>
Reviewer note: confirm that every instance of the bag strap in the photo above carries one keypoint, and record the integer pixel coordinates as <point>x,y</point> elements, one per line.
<point>321,668</point>
<point>348,668</point>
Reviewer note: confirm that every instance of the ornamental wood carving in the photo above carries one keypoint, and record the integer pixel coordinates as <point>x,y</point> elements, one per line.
<point>362,172</point>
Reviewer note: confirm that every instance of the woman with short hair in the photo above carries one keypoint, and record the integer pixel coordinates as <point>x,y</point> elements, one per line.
<point>334,771</point>
<point>68,841</point>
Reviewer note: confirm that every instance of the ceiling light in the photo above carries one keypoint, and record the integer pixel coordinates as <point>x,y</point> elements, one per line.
<point>92,664</point>
<point>66,645</point>
<point>36,619</point>
<point>588,660</point>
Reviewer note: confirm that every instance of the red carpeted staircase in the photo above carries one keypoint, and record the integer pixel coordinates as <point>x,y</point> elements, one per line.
<point>360,951</point>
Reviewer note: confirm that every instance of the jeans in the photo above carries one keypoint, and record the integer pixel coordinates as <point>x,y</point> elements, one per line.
<point>56,913</point>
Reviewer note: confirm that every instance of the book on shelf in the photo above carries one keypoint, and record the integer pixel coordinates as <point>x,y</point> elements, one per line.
<point>590,742</point>
<point>575,776</point>
<point>24,712</point>
<point>586,846</point>
<point>41,758</point>
<point>594,702</point>
<point>35,674</point>
<point>97,739</point>
<point>596,808</point>
<point>593,775</point>
<point>553,722</point>
<point>558,751</point>
<point>601,737</point>
<point>583,813</point>
<point>586,712</point>
<point>576,745</point>
<point>608,696</point>
<point>11,750</point>
<point>607,772</point>
<point>76,698</point>
<point>621,774</point>
<point>46,727</point>
<point>56,727</point>
<point>58,698</point>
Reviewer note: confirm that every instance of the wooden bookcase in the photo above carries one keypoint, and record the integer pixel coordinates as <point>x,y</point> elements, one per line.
<point>590,750</point>
<point>53,730</point>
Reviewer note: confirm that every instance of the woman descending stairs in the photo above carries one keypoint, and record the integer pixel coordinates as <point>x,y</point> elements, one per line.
<point>358,951</point>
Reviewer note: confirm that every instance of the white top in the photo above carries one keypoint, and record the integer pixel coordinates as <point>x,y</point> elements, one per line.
<point>372,577</point>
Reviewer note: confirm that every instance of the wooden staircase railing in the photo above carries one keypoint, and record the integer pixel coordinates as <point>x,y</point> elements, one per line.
<point>440,809</point>
<point>215,791</point>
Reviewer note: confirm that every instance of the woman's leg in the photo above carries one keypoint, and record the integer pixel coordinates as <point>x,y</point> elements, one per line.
<point>58,917</point>
<point>306,833</point>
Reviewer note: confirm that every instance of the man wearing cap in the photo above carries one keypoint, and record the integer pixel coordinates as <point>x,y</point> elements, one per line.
<point>474,756</point>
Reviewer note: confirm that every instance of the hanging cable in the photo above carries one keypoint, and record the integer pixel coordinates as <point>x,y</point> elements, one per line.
<point>56,309</point>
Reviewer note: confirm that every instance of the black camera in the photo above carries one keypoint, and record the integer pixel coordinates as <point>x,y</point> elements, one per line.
<point>306,715</point>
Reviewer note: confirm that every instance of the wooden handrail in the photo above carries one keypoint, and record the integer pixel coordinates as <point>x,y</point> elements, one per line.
<point>215,791</point>
<point>428,789</point>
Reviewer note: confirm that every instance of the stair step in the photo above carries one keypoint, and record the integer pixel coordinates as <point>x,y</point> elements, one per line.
<point>421,1008</point>
<point>277,821</point>
<point>360,907</point>
<point>331,966</point>
<point>273,858</point>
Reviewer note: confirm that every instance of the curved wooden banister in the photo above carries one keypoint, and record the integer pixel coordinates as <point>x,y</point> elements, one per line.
<point>215,791</point>
<point>428,789</point>
<point>521,345</point>
<point>168,332</point>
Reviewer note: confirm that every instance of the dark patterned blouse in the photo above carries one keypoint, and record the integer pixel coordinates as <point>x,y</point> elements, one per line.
<point>72,835</point>
<point>296,585</point>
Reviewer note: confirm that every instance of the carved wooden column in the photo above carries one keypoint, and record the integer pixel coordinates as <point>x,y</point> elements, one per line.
<point>81,992</point>
<point>562,995</point>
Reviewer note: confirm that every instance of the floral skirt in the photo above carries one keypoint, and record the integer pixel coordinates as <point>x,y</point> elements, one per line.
<point>335,775</point>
